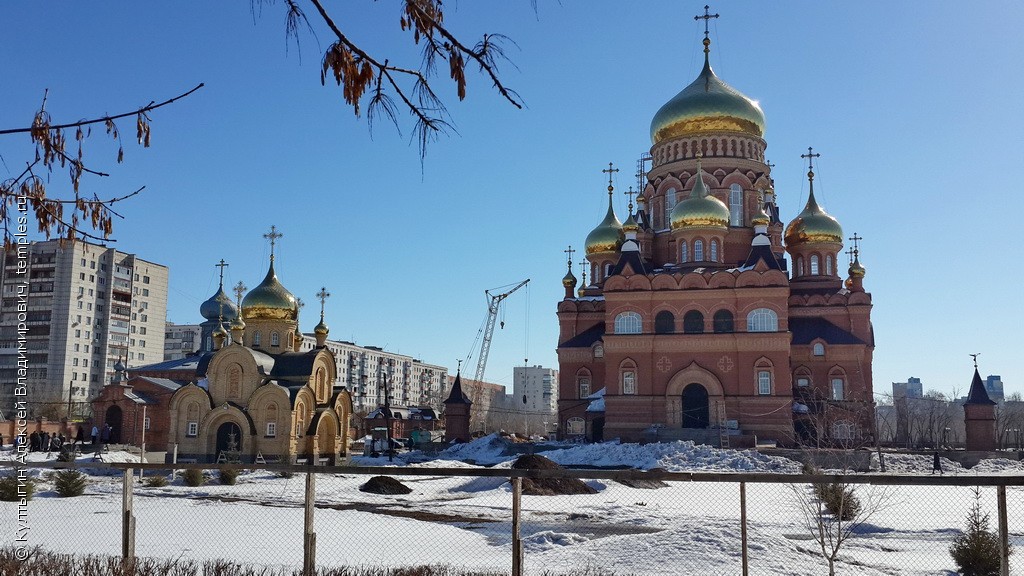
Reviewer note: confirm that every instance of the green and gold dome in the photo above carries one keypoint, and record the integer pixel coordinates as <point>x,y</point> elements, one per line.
<point>608,236</point>
<point>270,300</point>
<point>701,209</point>
<point>707,105</point>
<point>813,225</point>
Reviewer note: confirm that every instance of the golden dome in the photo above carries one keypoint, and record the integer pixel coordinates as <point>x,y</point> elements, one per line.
<point>219,333</point>
<point>707,105</point>
<point>813,225</point>
<point>700,209</point>
<point>857,270</point>
<point>761,217</point>
<point>270,300</point>
<point>631,225</point>
<point>321,328</point>
<point>608,236</point>
<point>569,281</point>
<point>237,324</point>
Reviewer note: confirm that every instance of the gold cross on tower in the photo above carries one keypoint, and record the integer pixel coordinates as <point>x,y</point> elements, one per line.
<point>569,251</point>
<point>629,193</point>
<point>222,266</point>
<point>322,296</point>
<point>239,289</point>
<point>273,235</point>
<point>707,19</point>
<point>810,161</point>
<point>610,171</point>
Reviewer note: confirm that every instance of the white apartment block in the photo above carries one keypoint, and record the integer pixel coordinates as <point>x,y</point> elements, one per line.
<point>181,340</point>
<point>87,306</point>
<point>362,370</point>
<point>538,385</point>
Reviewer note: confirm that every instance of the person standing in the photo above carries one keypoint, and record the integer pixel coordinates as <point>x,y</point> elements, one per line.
<point>95,436</point>
<point>79,437</point>
<point>936,464</point>
<point>105,435</point>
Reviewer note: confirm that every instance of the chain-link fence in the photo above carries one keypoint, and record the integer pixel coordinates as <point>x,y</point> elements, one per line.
<point>507,521</point>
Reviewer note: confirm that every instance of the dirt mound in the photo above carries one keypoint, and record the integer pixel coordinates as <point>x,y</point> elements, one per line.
<point>548,486</point>
<point>384,485</point>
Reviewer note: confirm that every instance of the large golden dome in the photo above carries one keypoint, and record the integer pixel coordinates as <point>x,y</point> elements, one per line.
<point>270,300</point>
<point>700,209</point>
<point>608,236</point>
<point>707,105</point>
<point>813,225</point>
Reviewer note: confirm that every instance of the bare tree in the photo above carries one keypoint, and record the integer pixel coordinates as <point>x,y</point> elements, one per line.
<point>74,214</point>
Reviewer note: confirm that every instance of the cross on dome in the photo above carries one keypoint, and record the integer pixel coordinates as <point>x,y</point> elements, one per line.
<point>610,171</point>
<point>222,266</point>
<point>569,251</point>
<point>273,235</point>
<point>322,296</point>
<point>811,155</point>
<point>239,289</point>
<point>707,19</point>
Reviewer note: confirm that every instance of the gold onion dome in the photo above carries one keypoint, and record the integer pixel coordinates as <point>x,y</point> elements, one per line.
<point>761,217</point>
<point>569,281</point>
<point>630,225</point>
<point>237,324</point>
<point>857,269</point>
<point>700,209</point>
<point>220,332</point>
<point>608,236</point>
<point>321,328</point>
<point>707,105</point>
<point>813,225</point>
<point>219,304</point>
<point>270,300</point>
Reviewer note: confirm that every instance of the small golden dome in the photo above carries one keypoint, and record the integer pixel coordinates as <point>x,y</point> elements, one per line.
<point>700,209</point>
<point>761,217</point>
<point>608,236</point>
<point>237,324</point>
<point>707,105</point>
<point>849,283</point>
<point>569,281</point>
<point>630,225</point>
<point>219,332</point>
<point>857,270</point>
<point>270,300</point>
<point>321,328</point>
<point>813,225</point>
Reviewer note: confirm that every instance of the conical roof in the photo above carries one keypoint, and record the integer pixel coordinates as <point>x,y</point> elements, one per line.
<point>978,394</point>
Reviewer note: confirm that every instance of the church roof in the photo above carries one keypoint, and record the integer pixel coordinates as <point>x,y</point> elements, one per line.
<point>585,339</point>
<point>806,330</point>
<point>457,396</point>
<point>763,252</point>
<point>293,364</point>
<point>634,260</point>
<point>978,394</point>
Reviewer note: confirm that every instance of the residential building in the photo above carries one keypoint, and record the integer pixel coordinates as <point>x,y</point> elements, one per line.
<point>181,340</point>
<point>535,389</point>
<point>86,307</point>
<point>912,388</point>
<point>994,387</point>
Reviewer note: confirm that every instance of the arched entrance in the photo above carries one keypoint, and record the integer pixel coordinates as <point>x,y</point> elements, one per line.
<point>114,418</point>
<point>695,407</point>
<point>597,430</point>
<point>229,442</point>
<point>327,438</point>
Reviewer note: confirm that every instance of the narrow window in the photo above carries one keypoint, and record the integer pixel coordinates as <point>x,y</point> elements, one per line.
<point>256,337</point>
<point>670,203</point>
<point>714,250</point>
<point>735,205</point>
<point>683,255</point>
<point>837,389</point>
<point>828,265</point>
<point>584,384</point>
<point>275,340</point>
<point>814,265</point>
<point>629,382</point>
<point>698,250</point>
<point>764,382</point>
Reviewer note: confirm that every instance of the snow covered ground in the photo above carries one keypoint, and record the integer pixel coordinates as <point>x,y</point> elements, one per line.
<point>684,528</point>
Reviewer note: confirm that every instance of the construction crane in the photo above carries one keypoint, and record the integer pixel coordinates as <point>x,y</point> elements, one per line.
<point>487,330</point>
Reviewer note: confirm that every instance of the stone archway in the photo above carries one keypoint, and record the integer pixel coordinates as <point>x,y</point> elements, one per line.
<point>707,395</point>
<point>695,407</point>
<point>327,437</point>
<point>114,417</point>
<point>228,442</point>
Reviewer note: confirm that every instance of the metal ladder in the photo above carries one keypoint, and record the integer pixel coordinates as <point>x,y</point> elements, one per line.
<point>723,430</point>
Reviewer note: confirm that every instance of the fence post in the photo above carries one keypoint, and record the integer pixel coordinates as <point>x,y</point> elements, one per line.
<point>1004,533</point>
<point>308,535</point>
<point>517,544</point>
<point>743,526</point>
<point>127,516</point>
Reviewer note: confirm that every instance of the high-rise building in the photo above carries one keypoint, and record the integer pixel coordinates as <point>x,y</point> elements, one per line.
<point>994,387</point>
<point>181,340</point>
<point>704,315</point>
<point>912,388</point>
<point>535,389</point>
<point>86,307</point>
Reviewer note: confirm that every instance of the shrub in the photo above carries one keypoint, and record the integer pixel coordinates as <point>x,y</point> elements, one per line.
<point>286,474</point>
<point>976,550</point>
<point>70,483</point>
<point>9,488</point>
<point>193,477</point>
<point>229,476</point>
<point>156,481</point>
<point>839,500</point>
<point>67,454</point>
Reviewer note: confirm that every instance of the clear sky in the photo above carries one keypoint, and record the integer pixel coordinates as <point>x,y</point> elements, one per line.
<point>915,108</point>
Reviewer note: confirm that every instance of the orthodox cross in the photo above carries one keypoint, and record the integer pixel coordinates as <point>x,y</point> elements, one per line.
<point>273,235</point>
<point>322,296</point>
<point>239,289</point>
<point>569,251</point>
<point>610,171</point>
<point>849,255</point>
<point>856,243</point>
<point>707,19</point>
<point>810,160</point>
<point>222,265</point>
<point>975,358</point>
<point>583,269</point>
<point>630,193</point>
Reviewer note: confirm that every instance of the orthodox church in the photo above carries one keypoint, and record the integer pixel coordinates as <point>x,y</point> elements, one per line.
<point>257,396</point>
<point>693,324</point>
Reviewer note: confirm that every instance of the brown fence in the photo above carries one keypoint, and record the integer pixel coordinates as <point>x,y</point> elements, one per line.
<point>485,521</point>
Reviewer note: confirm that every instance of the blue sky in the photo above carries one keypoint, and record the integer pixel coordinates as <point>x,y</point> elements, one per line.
<point>914,108</point>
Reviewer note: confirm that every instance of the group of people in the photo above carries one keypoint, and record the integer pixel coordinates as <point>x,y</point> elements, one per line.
<point>47,442</point>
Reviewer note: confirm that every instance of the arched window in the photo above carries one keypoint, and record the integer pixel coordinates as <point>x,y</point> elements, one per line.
<point>714,251</point>
<point>800,266</point>
<point>818,349</point>
<point>802,377</point>
<point>628,323</point>
<point>698,250</point>
<point>664,323</point>
<point>683,255</point>
<point>828,264</point>
<point>723,322</point>
<point>670,203</point>
<point>628,379</point>
<point>275,340</point>
<point>607,270</point>
<point>583,384</point>
<point>192,420</point>
<point>598,351</point>
<point>256,337</point>
<point>321,385</point>
<point>814,265</point>
<point>838,387</point>
<point>735,205</point>
<point>271,431</point>
<point>693,322</point>
<point>300,419</point>
<point>762,320</point>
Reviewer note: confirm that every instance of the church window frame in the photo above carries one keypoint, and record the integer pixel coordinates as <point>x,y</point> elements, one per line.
<point>191,429</point>
<point>814,266</point>
<point>723,322</point>
<point>762,320</point>
<point>300,418</point>
<point>713,247</point>
<point>629,322</point>
<point>271,419</point>
<point>275,339</point>
<point>735,205</point>
<point>837,388</point>
<point>842,430</point>
<point>800,266</point>
<point>271,431</point>
<point>583,385</point>
<point>683,252</point>
<point>802,377</point>
<point>256,338</point>
<point>628,379</point>
<point>764,382</point>
<point>818,349</point>
<point>693,322</point>
<point>828,264</point>
<point>698,250</point>
<point>665,322</point>
<point>670,203</point>
<point>598,350</point>
<point>575,426</point>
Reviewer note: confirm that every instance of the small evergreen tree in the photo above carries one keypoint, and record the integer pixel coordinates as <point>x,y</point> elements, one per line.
<point>193,477</point>
<point>976,550</point>
<point>70,483</point>
<point>9,488</point>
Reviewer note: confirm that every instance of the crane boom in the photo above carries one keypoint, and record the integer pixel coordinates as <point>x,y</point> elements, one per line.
<point>485,344</point>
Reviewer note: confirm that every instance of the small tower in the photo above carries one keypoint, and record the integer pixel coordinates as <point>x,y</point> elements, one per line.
<point>321,330</point>
<point>979,415</point>
<point>569,281</point>
<point>604,241</point>
<point>814,239</point>
<point>456,412</point>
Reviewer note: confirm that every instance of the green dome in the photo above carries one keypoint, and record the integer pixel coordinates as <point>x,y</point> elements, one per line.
<point>813,225</point>
<point>700,209</point>
<point>608,236</point>
<point>707,105</point>
<point>270,300</point>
